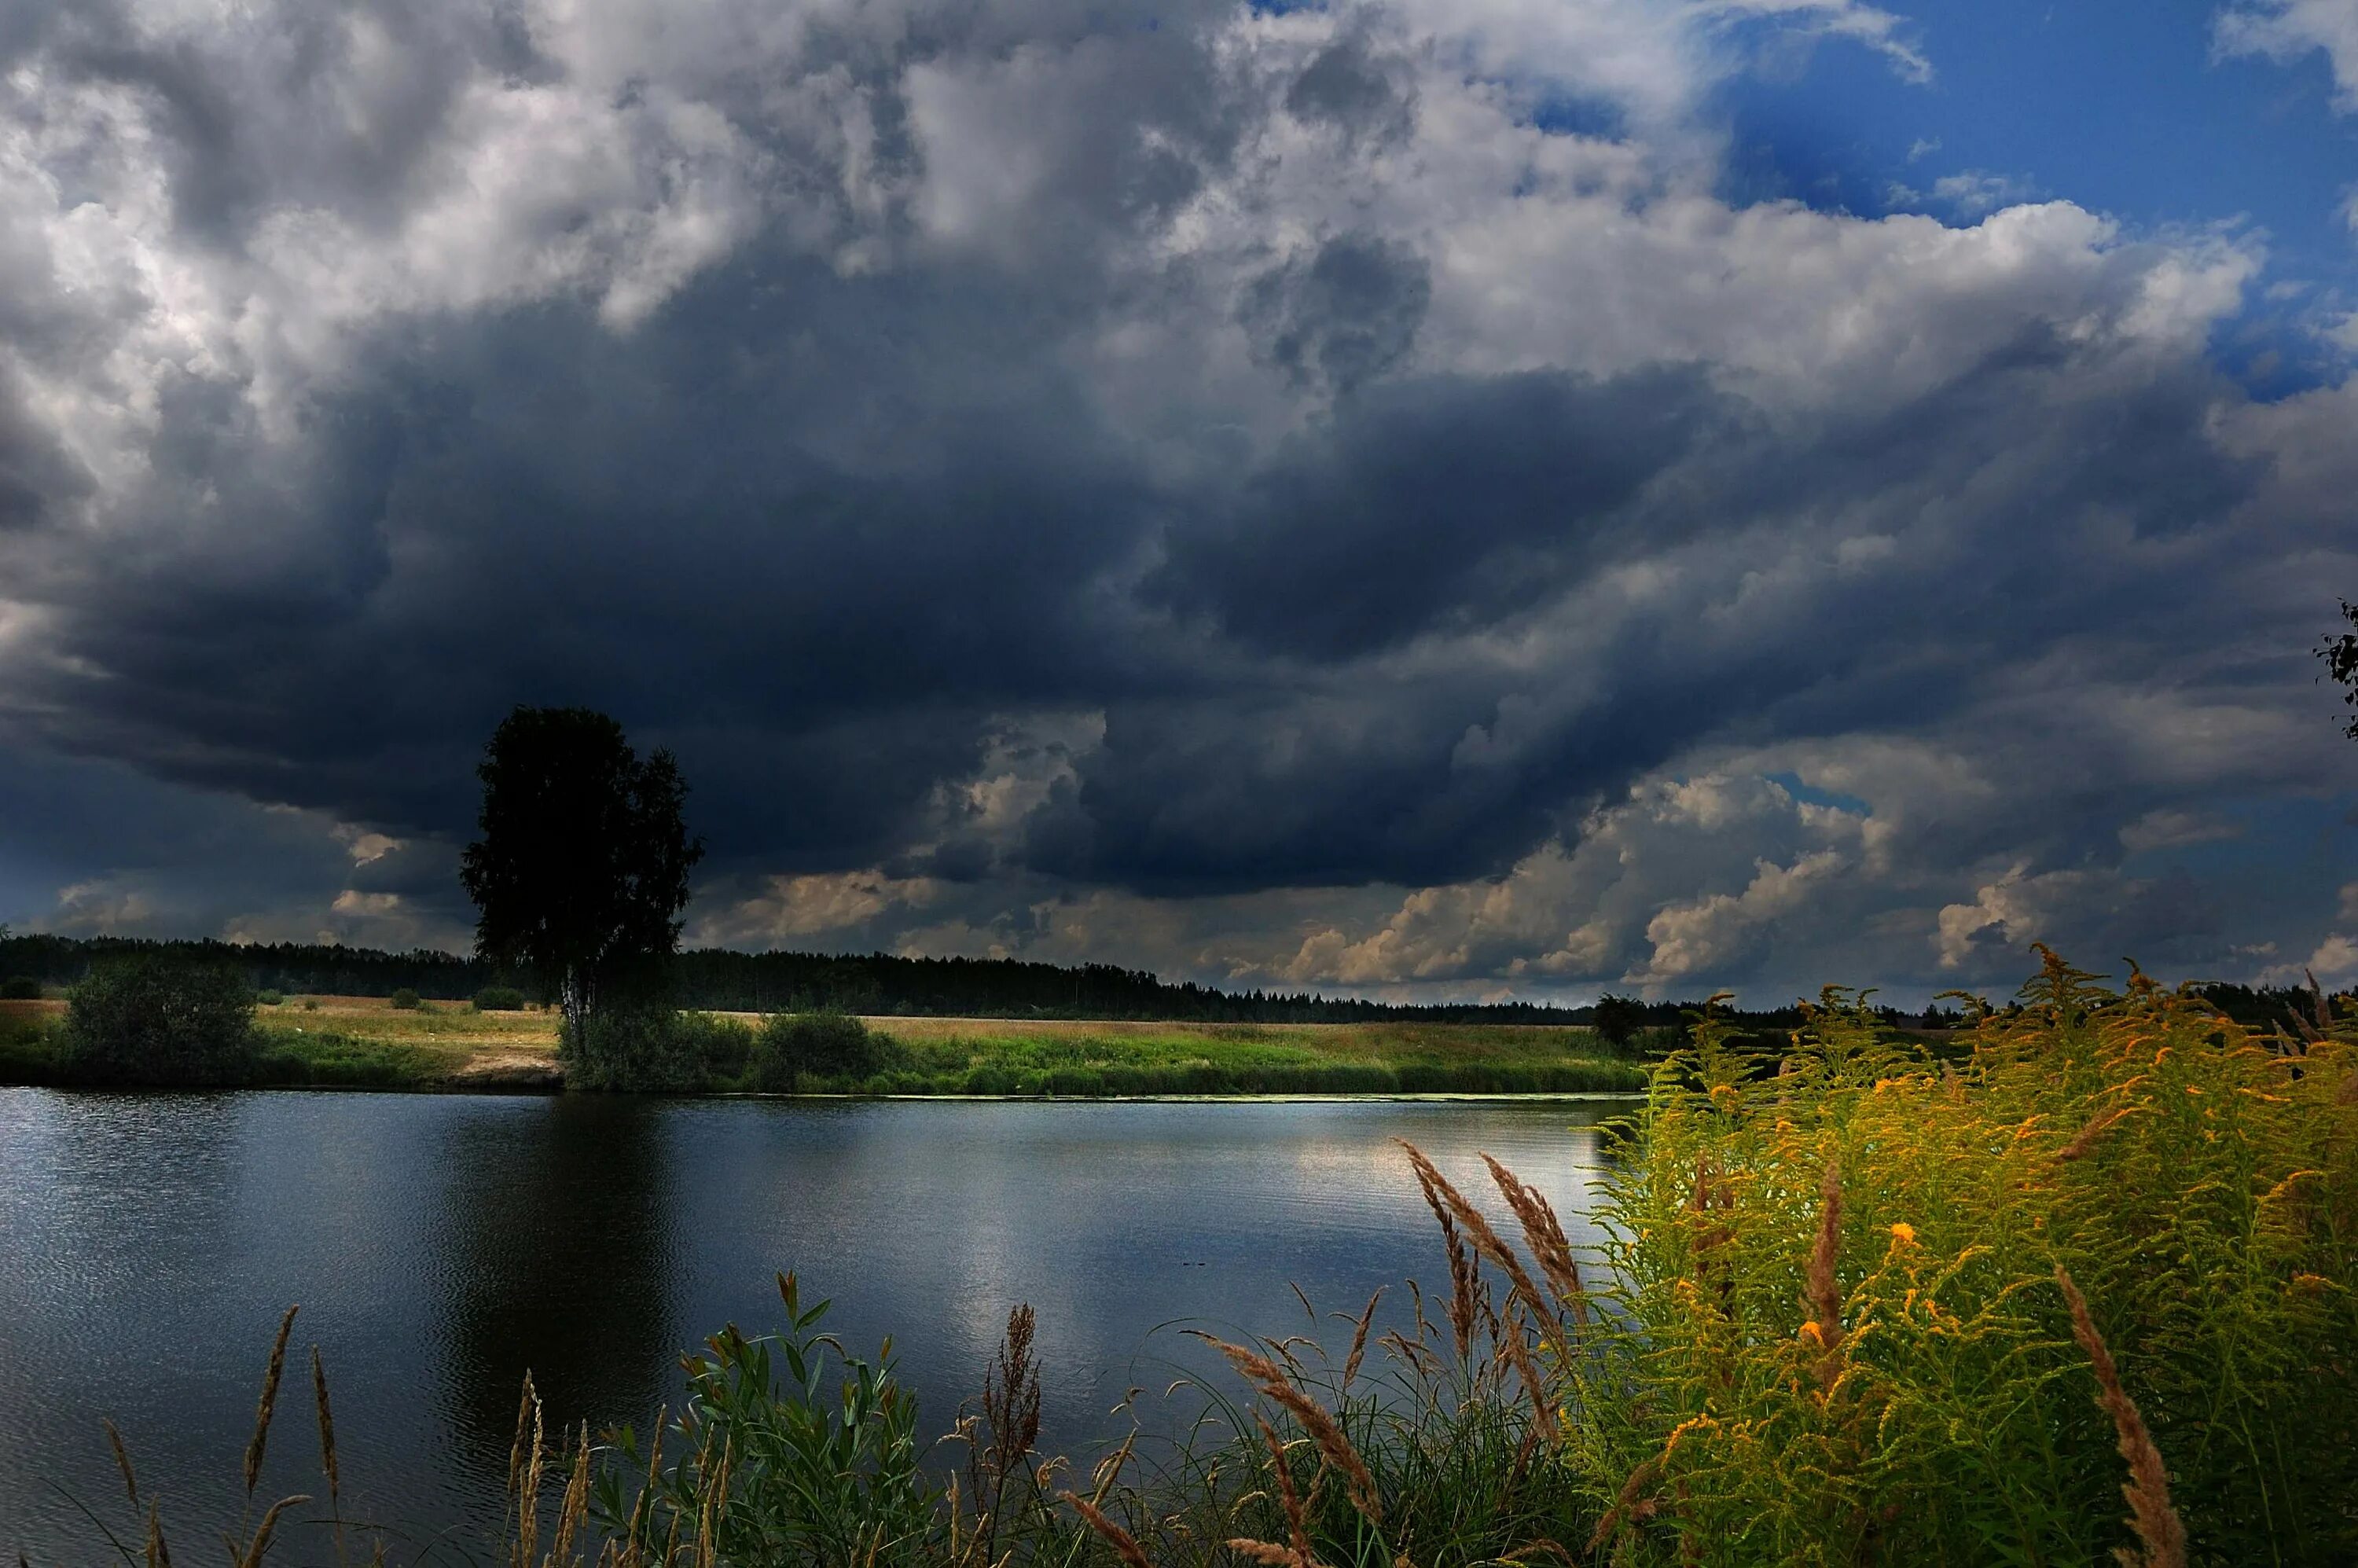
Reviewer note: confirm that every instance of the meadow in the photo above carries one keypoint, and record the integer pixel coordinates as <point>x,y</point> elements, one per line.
<point>2085,1289</point>
<point>344,1042</point>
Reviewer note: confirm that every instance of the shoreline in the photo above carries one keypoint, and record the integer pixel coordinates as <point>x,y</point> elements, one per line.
<point>352,1043</point>
<point>554,1090</point>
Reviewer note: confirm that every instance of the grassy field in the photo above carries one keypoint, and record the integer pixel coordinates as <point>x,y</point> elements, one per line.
<point>366,1041</point>
<point>360,1042</point>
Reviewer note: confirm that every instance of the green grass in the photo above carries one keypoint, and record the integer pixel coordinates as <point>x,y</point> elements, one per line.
<point>347,1061</point>
<point>976,1056</point>
<point>32,1052</point>
<point>28,1044</point>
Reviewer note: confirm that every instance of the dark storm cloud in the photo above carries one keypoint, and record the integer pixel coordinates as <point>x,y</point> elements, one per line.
<point>1432,501</point>
<point>1357,86</point>
<point>1348,313</point>
<point>35,476</point>
<point>815,532</point>
<point>1458,505</point>
<point>725,545</point>
<point>813,529</point>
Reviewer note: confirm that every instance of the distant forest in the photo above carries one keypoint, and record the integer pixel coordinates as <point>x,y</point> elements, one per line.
<point>881,984</point>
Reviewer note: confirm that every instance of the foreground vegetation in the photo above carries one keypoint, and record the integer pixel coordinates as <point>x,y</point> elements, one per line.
<point>2086,1290</point>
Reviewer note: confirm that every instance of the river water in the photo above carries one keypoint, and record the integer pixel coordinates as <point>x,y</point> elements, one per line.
<point>440,1245</point>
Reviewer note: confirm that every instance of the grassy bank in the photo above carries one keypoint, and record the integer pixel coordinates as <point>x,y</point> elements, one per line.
<point>347,1042</point>
<point>986,1056</point>
<point>365,1042</point>
<point>2083,1291</point>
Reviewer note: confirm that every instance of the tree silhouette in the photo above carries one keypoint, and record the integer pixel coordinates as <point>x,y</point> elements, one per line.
<point>581,872</point>
<point>2341,656</point>
<point>1618,1020</point>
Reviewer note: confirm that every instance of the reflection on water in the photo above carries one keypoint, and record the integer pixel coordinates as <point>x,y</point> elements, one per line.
<point>556,1261</point>
<point>441,1245</point>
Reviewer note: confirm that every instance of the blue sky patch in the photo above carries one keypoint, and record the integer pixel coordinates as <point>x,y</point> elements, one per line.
<point>2126,111</point>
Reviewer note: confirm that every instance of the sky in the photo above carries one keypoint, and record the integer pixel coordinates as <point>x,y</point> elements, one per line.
<point>1446,499</point>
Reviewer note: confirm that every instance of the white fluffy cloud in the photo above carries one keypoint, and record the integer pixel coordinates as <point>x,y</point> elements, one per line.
<point>2284,30</point>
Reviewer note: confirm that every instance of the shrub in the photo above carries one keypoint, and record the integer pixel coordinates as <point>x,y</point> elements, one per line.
<point>149,1019</point>
<point>20,988</point>
<point>797,1047</point>
<point>405,1000</point>
<point>1077,1083</point>
<point>988,1081</point>
<point>637,1049</point>
<point>310,1004</point>
<point>499,998</point>
<point>723,1044</point>
<point>269,999</point>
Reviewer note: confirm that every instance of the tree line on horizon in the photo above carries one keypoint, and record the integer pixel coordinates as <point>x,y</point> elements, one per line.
<point>728,980</point>
<point>720,979</point>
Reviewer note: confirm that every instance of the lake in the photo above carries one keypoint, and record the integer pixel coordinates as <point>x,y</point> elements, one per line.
<point>440,1245</point>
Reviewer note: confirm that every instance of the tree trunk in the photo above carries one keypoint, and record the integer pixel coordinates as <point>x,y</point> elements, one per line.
<point>573,1000</point>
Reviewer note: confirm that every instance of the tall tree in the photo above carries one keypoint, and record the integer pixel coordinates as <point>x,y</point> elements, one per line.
<point>2341,656</point>
<point>581,870</point>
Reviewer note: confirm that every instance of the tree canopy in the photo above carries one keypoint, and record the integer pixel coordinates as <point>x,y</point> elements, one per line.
<point>581,872</point>
<point>2341,656</point>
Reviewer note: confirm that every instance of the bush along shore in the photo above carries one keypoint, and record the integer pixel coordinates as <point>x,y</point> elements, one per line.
<point>2084,1293</point>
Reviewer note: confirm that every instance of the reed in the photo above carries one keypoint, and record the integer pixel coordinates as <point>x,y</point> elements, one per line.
<point>1478,1228</point>
<point>1124,1544</point>
<point>122,1462</point>
<point>267,1404</point>
<point>1333,1444</point>
<point>1543,1234</point>
<point>2157,1524</point>
<point>1360,1338</point>
<point>1297,1552</point>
